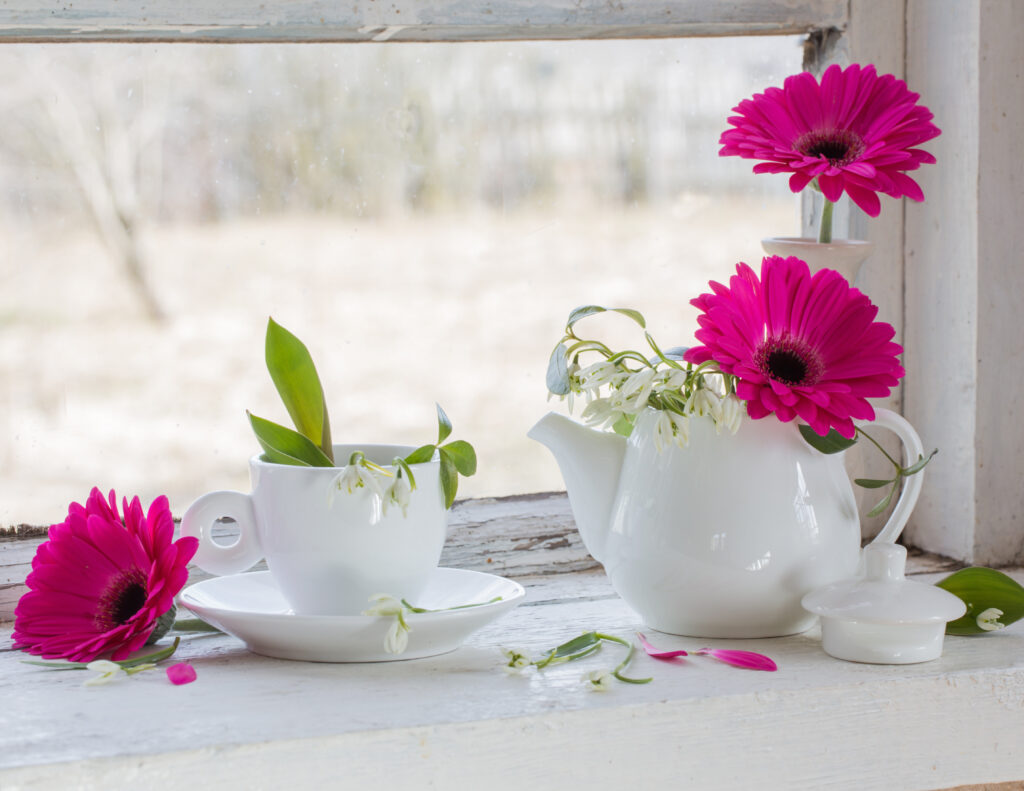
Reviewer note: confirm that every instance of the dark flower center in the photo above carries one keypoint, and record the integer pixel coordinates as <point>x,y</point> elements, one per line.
<point>789,361</point>
<point>125,596</point>
<point>838,146</point>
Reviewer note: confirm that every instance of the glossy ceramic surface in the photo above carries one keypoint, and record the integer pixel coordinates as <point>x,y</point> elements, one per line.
<point>844,255</point>
<point>252,608</point>
<point>328,550</point>
<point>882,617</point>
<point>724,537</point>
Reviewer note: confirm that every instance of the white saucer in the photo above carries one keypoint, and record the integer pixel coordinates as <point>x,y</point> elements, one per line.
<point>250,607</point>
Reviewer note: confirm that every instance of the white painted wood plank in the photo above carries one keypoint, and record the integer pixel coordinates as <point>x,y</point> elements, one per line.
<point>517,536</point>
<point>457,722</point>
<point>407,20</point>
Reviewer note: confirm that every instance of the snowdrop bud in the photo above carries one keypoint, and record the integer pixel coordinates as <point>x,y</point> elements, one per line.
<point>681,424</point>
<point>704,402</point>
<point>730,415</point>
<point>108,671</point>
<point>397,639</point>
<point>989,620</point>
<point>599,680</point>
<point>663,431</point>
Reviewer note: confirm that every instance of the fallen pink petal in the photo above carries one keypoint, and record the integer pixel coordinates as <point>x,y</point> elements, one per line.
<point>181,673</point>
<point>747,659</point>
<point>654,652</point>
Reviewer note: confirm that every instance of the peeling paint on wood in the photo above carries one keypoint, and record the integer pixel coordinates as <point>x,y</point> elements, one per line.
<point>409,20</point>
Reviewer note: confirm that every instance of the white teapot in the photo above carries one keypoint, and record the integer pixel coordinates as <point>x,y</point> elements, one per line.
<point>724,537</point>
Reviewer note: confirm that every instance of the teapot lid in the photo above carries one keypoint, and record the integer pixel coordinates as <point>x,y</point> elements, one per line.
<point>883,595</point>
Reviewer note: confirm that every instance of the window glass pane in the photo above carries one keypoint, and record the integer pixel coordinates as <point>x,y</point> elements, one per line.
<point>423,216</point>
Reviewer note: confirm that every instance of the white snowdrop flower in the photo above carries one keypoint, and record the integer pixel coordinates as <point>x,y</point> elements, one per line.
<point>704,402</point>
<point>354,477</point>
<point>672,379</point>
<point>989,620</point>
<point>399,493</point>
<point>730,415</point>
<point>108,671</point>
<point>384,604</point>
<point>637,388</point>
<point>598,374</point>
<point>663,431</point>
<point>601,412</point>
<point>599,680</point>
<point>518,661</point>
<point>681,426</point>
<point>397,639</point>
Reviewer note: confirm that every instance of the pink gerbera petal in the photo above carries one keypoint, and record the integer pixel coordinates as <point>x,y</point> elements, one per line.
<point>747,659</point>
<point>181,673</point>
<point>654,652</point>
<point>99,583</point>
<point>801,345</point>
<point>855,131</point>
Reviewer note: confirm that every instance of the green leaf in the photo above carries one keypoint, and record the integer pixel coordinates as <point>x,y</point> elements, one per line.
<point>295,377</point>
<point>623,426</point>
<point>462,455</point>
<point>590,310</point>
<point>444,425</point>
<point>833,442</point>
<point>285,446</point>
<point>449,479</point>
<point>872,483</point>
<point>981,589</point>
<point>920,464</point>
<point>885,502</point>
<point>557,378</point>
<point>422,454</point>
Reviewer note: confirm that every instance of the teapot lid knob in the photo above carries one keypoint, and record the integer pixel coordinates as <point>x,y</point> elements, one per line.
<point>884,562</point>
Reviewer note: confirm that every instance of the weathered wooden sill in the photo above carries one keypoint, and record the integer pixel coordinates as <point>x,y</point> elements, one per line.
<point>456,721</point>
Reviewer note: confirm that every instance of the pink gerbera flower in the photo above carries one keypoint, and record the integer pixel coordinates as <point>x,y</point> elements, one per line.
<point>801,346</point>
<point>855,132</point>
<point>99,583</point>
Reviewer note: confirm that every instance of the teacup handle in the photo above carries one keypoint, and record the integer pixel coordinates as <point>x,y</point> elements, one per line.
<point>913,450</point>
<point>199,519</point>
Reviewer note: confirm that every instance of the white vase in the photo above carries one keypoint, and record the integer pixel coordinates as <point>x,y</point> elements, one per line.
<point>843,255</point>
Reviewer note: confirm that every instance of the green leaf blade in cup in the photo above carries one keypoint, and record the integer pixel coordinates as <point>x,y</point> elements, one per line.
<point>444,425</point>
<point>421,455</point>
<point>833,442</point>
<point>449,478</point>
<point>463,456</point>
<point>983,589</point>
<point>282,445</point>
<point>294,375</point>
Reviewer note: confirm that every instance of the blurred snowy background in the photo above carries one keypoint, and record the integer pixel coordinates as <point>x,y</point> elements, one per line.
<point>424,217</point>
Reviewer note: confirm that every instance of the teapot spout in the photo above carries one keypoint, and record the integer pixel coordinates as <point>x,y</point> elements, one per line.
<point>590,462</point>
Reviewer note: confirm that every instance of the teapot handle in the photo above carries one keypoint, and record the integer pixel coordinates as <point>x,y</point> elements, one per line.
<point>913,450</point>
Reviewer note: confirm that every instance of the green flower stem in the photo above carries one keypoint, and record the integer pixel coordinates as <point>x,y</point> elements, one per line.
<point>156,656</point>
<point>617,672</point>
<point>825,229</point>
<point>410,608</point>
<point>871,439</point>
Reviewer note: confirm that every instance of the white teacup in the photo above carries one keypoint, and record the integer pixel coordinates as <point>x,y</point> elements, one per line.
<point>328,550</point>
